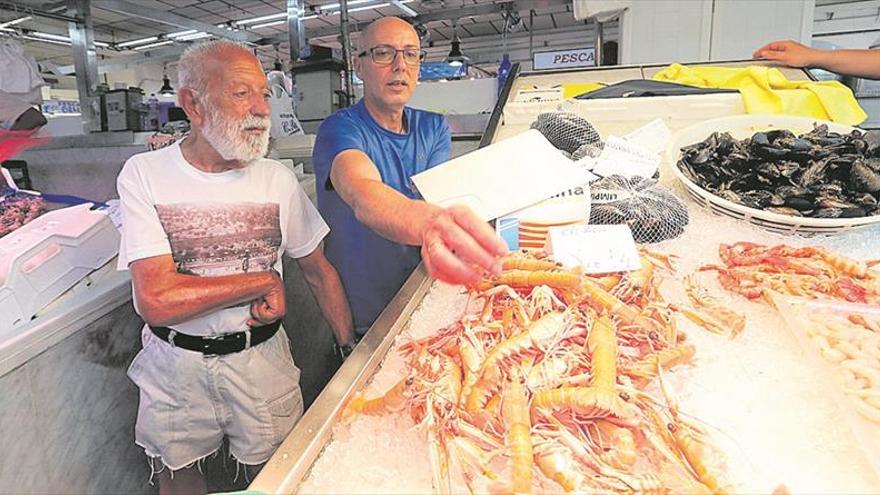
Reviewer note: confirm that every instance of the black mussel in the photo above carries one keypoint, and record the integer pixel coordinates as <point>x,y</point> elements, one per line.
<point>814,173</point>
<point>757,198</point>
<point>801,204</point>
<point>832,142</point>
<point>859,146</point>
<point>768,169</point>
<point>872,140</point>
<point>794,192</point>
<point>863,179</point>
<point>785,210</point>
<point>832,202</point>
<point>818,132</point>
<point>760,139</point>
<point>780,135</point>
<point>770,152</point>
<point>787,169</point>
<point>854,212</point>
<point>865,199</point>
<point>827,213</point>
<point>701,156</point>
<point>801,145</point>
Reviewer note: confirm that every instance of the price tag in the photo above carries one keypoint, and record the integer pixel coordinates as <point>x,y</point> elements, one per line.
<point>652,136</point>
<point>622,157</point>
<point>595,248</point>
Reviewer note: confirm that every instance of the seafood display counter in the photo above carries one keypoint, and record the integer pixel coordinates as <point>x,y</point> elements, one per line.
<point>714,382</point>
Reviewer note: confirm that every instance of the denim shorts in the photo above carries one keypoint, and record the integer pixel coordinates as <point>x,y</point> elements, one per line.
<point>189,401</point>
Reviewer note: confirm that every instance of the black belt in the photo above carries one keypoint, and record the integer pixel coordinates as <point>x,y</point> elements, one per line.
<point>221,344</point>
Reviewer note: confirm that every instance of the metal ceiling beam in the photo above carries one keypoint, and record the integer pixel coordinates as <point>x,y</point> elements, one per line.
<point>406,10</point>
<point>143,12</point>
<point>24,9</point>
<point>158,55</point>
<point>83,46</point>
<point>437,15</point>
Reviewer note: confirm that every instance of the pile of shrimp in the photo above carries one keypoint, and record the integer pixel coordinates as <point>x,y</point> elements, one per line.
<point>553,381</point>
<point>755,271</point>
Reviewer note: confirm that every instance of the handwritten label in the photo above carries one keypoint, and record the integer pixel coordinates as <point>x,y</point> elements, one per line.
<point>652,136</point>
<point>595,248</point>
<point>622,157</point>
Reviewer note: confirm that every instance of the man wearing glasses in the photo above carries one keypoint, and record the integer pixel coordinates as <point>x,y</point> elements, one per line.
<point>364,158</point>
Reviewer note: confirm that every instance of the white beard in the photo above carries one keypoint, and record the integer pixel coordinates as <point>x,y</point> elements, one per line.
<point>229,139</point>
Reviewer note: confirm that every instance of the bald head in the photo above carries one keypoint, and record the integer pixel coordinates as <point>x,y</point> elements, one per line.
<point>384,28</point>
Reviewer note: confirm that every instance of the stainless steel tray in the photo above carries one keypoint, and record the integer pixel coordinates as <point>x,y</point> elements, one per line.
<point>289,466</point>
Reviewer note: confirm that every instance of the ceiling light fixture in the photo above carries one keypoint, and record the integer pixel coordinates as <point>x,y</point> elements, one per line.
<point>368,7</point>
<point>166,89</point>
<point>50,36</point>
<point>141,41</point>
<point>15,21</point>
<point>45,40</point>
<point>196,36</point>
<point>455,57</point>
<point>181,33</point>
<point>270,17</point>
<point>278,23</point>
<point>154,45</point>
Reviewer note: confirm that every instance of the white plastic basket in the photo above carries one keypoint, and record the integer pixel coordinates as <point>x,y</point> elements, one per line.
<point>742,127</point>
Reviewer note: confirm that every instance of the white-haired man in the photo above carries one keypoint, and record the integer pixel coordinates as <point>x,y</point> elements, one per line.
<point>206,222</point>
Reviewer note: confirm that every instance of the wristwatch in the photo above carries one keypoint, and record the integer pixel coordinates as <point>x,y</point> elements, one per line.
<point>343,350</point>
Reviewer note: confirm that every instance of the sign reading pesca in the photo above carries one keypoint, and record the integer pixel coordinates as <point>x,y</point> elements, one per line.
<point>576,57</point>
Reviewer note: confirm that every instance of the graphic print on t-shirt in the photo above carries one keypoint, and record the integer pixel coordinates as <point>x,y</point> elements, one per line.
<point>212,239</point>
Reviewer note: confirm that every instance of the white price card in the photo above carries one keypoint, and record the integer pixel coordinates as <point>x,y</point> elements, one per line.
<point>595,248</point>
<point>621,157</point>
<point>653,136</point>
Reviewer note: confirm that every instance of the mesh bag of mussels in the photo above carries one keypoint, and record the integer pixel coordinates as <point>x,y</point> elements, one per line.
<point>652,212</point>
<point>572,135</point>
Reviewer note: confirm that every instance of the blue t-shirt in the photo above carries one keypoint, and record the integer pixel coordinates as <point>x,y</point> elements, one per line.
<point>373,268</point>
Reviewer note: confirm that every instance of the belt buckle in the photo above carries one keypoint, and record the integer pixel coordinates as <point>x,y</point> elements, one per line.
<point>214,338</point>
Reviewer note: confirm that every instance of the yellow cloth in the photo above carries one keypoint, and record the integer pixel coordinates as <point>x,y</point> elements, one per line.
<point>575,89</point>
<point>767,90</point>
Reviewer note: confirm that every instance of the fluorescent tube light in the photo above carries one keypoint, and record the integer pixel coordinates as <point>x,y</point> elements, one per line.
<point>154,45</point>
<point>141,41</point>
<point>14,21</point>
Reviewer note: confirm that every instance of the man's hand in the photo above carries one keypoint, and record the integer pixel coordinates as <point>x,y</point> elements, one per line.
<point>459,248</point>
<point>272,306</point>
<point>788,53</point>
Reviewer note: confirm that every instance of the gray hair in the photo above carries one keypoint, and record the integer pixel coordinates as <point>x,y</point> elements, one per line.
<point>191,70</point>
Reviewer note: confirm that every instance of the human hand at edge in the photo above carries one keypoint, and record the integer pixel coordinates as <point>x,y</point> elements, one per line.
<point>272,306</point>
<point>459,248</point>
<point>789,53</point>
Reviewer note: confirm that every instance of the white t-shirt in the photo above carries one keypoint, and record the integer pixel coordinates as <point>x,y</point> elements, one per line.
<point>214,224</point>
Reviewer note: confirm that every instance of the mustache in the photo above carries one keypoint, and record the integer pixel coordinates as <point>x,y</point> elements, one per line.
<point>252,121</point>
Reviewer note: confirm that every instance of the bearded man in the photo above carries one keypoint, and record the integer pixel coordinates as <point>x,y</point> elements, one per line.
<point>206,221</point>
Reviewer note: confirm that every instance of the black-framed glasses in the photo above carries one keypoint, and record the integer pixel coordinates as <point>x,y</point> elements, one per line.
<point>385,54</point>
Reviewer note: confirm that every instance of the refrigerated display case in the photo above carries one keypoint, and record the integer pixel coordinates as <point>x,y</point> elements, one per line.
<point>754,392</point>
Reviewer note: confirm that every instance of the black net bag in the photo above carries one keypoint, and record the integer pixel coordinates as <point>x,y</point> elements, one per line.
<point>652,212</point>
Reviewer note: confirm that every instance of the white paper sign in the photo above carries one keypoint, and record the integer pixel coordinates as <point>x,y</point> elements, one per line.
<point>622,157</point>
<point>500,178</point>
<point>652,136</point>
<point>595,248</point>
